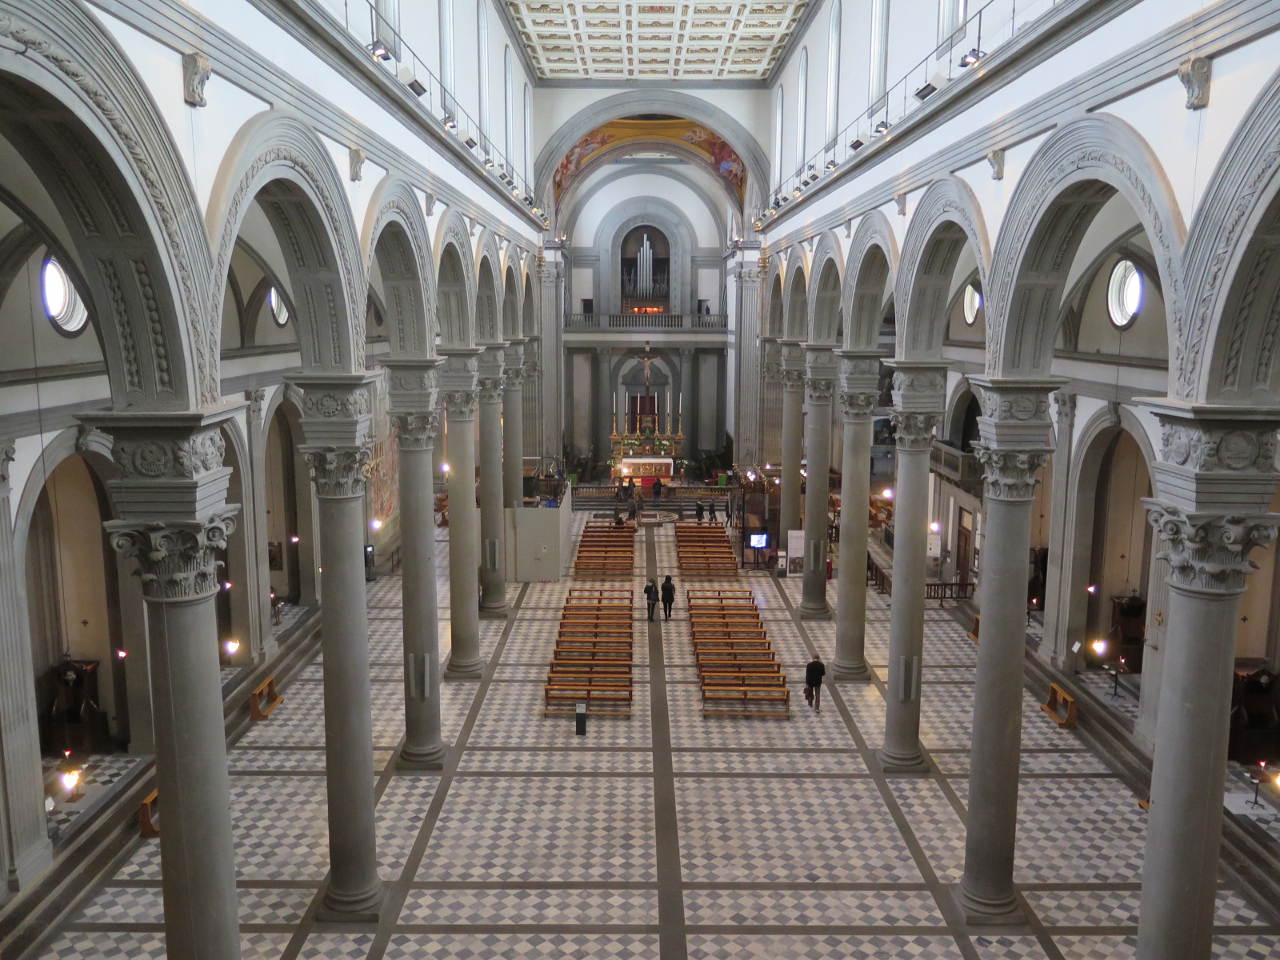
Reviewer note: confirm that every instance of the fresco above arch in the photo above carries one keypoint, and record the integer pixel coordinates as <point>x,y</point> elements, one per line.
<point>718,155</point>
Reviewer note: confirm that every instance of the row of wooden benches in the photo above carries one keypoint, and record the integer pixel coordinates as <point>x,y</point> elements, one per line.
<point>703,550</point>
<point>591,662</point>
<point>738,670</point>
<point>606,550</point>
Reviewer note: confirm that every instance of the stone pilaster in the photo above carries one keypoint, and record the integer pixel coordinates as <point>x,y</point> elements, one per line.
<point>1015,434</point>
<point>1214,480</point>
<point>748,280</point>
<point>553,382</point>
<point>918,396</point>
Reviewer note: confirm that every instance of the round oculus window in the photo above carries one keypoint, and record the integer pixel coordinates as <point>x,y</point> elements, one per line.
<point>1125,292</point>
<point>62,305</point>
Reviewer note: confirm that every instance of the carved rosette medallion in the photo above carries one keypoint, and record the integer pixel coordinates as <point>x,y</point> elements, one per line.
<point>1218,448</point>
<point>176,560</point>
<point>819,390</point>
<point>339,472</point>
<point>417,431</point>
<point>1010,475</point>
<point>1209,552</point>
<point>914,430</point>
<point>185,457</point>
<point>460,404</point>
<point>857,405</point>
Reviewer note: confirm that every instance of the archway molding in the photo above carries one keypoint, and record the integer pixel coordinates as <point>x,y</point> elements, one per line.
<point>396,234</point>
<point>825,319</point>
<point>455,281</point>
<point>638,212</point>
<point>1068,179</point>
<point>871,270</point>
<point>795,301</point>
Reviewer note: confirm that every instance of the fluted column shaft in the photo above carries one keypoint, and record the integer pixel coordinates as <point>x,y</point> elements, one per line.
<point>493,578</point>
<point>819,386</point>
<point>857,402</point>
<point>792,450</point>
<point>1214,482</point>
<point>1015,433</point>
<point>745,305</point>
<point>513,435</point>
<point>423,746</point>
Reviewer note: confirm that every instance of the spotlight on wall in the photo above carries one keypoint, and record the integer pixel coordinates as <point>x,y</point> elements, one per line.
<point>470,141</point>
<point>796,193</point>
<point>887,493</point>
<point>757,223</point>
<point>449,122</point>
<point>926,90</point>
<point>488,163</point>
<point>881,128</point>
<point>856,143</point>
<point>227,584</point>
<point>831,165</point>
<point>972,57</point>
<point>231,646</point>
<point>375,524</point>
<point>444,468</point>
<point>122,653</point>
<point>935,526</point>
<point>379,50</point>
<point>410,80</point>
<point>1091,588</point>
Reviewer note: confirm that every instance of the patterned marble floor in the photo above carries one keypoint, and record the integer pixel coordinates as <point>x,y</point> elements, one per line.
<point>665,835</point>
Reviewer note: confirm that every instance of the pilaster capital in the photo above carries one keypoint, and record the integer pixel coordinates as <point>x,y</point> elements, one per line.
<point>914,431</point>
<point>339,472</point>
<point>1015,413</point>
<point>176,559</point>
<point>412,384</point>
<point>918,387</point>
<point>417,431</point>
<point>748,273</point>
<point>1209,552</point>
<point>1010,475</point>
<point>818,390</point>
<point>1063,408</point>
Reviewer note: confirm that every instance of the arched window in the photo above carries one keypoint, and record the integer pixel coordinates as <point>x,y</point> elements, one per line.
<point>528,134</point>
<point>802,105</point>
<point>446,50</point>
<point>508,105</point>
<point>482,64</point>
<point>833,71</point>
<point>879,58</point>
<point>777,132</point>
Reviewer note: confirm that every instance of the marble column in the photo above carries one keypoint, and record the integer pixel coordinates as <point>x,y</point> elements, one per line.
<point>858,397</point>
<point>493,575</point>
<point>688,411</point>
<point>553,381</point>
<point>1015,441</point>
<point>1214,480</point>
<point>25,850</point>
<point>173,521</point>
<point>918,393</point>
<point>458,383</point>
<point>513,381</point>
<point>748,277</point>
<point>603,418</point>
<point>792,439</point>
<point>337,439</point>
<point>412,388</point>
<point>819,384</point>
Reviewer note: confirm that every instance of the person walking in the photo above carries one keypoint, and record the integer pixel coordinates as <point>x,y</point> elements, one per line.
<point>813,674</point>
<point>711,504</point>
<point>699,512</point>
<point>657,488</point>
<point>668,597</point>
<point>651,596</point>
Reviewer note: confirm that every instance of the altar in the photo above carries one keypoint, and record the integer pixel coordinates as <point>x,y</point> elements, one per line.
<point>642,467</point>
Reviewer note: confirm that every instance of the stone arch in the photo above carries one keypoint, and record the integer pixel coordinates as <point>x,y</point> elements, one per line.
<point>672,102</point>
<point>871,269</point>
<point>825,319</point>
<point>958,397</point>
<point>528,307</point>
<point>1227,352</point>
<point>795,302</point>
<point>1067,181</point>
<point>278,161</point>
<point>774,297</point>
<point>73,106</point>
<point>488,292</point>
<point>510,304</point>
<point>455,282</point>
<point>668,218</point>
<point>672,173</point>
<point>395,232</point>
<point>946,219</point>
<point>286,401</point>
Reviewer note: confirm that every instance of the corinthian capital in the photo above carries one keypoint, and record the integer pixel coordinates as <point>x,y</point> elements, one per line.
<point>1010,475</point>
<point>491,389</point>
<point>176,559</point>
<point>339,472</point>
<point>417,431</point>
<point>513,377</point>
<point>1209,552</point>
<point>461,404</point>
<point>857,405</point>
<point>792,379</point>
<point>818,390</point>
<point>914,430</point>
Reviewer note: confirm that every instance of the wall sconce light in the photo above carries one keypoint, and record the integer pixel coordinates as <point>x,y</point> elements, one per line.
<point>231,646</point>
<point>375,524</point>
<point>935,526</point>
<point>295,539</point>
<point>887,493</point>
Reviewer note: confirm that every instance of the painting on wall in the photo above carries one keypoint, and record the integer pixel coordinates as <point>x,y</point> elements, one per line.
<point>707,145</point>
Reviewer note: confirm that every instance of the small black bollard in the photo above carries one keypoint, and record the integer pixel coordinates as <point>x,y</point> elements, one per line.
<point>580,718</point>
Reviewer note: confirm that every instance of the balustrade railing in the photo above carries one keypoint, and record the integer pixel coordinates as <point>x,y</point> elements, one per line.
<point>647,321</point>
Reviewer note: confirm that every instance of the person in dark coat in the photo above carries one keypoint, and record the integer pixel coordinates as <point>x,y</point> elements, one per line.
<point>711,505</point>
<point>699,512</point>
<point>657,488</point>
<point>813,674</point>
<point>668,596</point>
<point>651,596</point>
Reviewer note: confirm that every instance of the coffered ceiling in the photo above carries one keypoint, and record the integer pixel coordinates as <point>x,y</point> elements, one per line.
<point>678,40</point>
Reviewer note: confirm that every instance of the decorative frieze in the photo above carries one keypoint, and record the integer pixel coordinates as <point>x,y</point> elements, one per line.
<point>417,431</point>
<point>1218,447</point>
<point>339,472</point>
<point>176,560</point>
<point>1209,552</point>
<point>1010,475</point>
<point>914,431</point>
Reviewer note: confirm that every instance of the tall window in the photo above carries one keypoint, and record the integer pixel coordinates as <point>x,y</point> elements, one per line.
<point>802,104</point>
<point>879,58</point>
<point>833,71</point>
<point>777,131</point>
<point>528,134</point>
<point>508,105</point>
<point>482,63</point>
<point>446,49</point>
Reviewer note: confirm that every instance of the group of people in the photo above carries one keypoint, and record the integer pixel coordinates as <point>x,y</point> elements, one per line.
<point>666,593</point>
<point>628,490</point>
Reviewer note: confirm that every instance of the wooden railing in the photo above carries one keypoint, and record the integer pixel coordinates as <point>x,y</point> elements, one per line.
<point>646,321</point>
<point>879,578</point>
<point>959,467</point>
